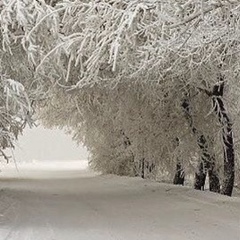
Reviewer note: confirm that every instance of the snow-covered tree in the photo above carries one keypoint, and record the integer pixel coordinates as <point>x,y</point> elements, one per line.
<point>128,66</point>
<point>18,92</point>
<point>16,111</point>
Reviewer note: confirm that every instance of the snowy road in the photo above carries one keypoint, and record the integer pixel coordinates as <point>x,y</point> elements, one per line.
<point>76,205</point>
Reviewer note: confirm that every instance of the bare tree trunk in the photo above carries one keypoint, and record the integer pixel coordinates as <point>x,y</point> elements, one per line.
<point>143,168</point>
<point>149,166</point>
<point>127,143</point>
<point>207,163</point>
<point>179,175</point>
<point>227,135</point>
<point>200,177</point>
<point>214,182</point>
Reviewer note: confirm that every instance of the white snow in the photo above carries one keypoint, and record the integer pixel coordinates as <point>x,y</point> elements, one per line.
<point>71,203</point>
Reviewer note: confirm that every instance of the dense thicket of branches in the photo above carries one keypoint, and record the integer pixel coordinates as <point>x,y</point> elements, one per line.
<point>117,73</point>
<point>15,112</point>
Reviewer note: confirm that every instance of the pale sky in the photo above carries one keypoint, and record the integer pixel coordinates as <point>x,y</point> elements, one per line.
<point>43,144</point>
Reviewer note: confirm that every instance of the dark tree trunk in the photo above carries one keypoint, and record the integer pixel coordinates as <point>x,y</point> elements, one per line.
<point>127,143</point>
<point>207,163</point>
<point>214,182</point>
<point>200,177</point>
<point>143,168</point>
<point>227,135</point>
<point>179,175</point>
<point>150,167</point>
<point>126,139</point>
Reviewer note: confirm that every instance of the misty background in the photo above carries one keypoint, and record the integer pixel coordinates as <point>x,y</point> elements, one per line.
<point>40,144</point>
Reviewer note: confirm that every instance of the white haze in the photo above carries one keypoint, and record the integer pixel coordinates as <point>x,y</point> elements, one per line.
<point>40,144</point>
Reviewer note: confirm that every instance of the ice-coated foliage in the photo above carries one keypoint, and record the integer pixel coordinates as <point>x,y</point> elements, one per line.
<point>15,112</point>
<point>117,73</point>
<point>95,39</point>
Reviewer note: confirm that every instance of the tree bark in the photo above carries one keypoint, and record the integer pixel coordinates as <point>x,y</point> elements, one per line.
<point>127,143</point>
<point>179,175</point>
<point>214,182</point>
<point>200,177</point>
<point>143,168</point>
<point>150,167</point>
<point>207,163</point>
<point>227,136</point>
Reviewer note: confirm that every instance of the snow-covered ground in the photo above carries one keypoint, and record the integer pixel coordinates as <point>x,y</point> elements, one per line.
<point>58,202</point>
